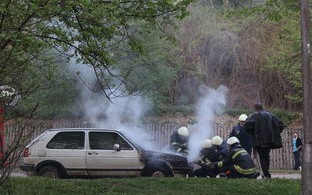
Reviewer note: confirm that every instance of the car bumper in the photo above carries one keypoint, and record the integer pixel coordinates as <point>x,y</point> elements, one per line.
<point>27,167</point>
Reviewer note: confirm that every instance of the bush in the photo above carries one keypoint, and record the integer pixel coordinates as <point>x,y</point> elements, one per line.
<point>286,116</point>
<point>237,111</point>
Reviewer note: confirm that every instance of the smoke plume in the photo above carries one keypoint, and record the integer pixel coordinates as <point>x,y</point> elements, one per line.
<point>124,112</point>
<point>211,103</point>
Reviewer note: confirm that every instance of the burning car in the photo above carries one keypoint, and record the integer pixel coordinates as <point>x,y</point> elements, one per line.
<point>91,152</point>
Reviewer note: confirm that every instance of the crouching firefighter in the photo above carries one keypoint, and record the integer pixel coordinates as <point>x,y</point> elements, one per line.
<point>238,163</point>
<point>207,156</point>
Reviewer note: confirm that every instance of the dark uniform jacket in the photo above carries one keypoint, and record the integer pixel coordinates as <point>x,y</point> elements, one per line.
<point>178,143</point>
<point>240,159</point>
<point>208,155</point>
<point>221,151</point>
<point>265,129</point>
<point>245,138</point>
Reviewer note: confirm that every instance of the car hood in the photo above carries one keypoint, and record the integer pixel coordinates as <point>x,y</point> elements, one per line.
<point>176,161</point>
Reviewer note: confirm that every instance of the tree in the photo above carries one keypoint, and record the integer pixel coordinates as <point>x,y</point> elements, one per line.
<point>87,30</point>
<point>258,41</point>
<point>307,89</point>
<point>152,73</point>
<point>35,34</point>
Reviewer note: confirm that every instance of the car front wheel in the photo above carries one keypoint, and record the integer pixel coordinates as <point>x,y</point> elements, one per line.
<point>158,171</point>
<point>159,174</point>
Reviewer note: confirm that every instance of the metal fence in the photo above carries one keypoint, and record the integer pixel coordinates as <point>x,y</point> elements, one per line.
<point>159,133</point>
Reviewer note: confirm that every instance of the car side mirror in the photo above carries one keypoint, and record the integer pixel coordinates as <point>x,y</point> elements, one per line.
<point>116,147</point>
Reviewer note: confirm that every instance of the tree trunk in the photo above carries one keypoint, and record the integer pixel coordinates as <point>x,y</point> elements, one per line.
<point>307,95</point>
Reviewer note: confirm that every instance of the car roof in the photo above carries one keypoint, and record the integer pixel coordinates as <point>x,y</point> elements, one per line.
<point>95,129</point>
<point>84,129</point>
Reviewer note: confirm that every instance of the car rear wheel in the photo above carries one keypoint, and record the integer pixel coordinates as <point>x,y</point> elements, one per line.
<point>49,171</point>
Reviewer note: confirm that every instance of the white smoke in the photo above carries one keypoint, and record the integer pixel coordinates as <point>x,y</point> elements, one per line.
<point>126,114</point>
<point>123,112</point>
<point>211,103</point>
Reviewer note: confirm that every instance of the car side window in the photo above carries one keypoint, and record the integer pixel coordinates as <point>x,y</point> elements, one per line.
<point>106,141</point>
<point>67,140</point>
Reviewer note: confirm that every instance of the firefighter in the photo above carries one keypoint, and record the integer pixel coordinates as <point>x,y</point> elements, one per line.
<point>219,151</point>
<point>207,156</point>
<point>242,135</point>
<point>179,141</point>
<point>220,147</point>
<point>238,163</point>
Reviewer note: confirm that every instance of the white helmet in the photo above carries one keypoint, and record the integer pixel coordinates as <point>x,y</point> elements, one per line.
<point>232,140</point>
<point>206,143</point>
<point>243,117</point>
<point>216,140</point>
<point>183,131</point>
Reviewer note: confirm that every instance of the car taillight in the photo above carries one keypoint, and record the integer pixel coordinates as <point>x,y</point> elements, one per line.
<point>26,152</point>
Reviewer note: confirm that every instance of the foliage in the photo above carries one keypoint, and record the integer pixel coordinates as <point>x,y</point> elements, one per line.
<point>150,74</point>
<point>280,39</point>
<point>253,49</point>
<point>89,31</point>
<point>35,185</point>
<point>38,38</point>
<point>286,116</point>
<point>237,111</point>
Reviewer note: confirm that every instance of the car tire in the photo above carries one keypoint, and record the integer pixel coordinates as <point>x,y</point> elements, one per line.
<point>158,171</point>
<point>49,171</point>
<point>158,174</point>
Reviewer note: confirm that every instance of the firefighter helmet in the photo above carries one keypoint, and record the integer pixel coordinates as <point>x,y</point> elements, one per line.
<point>216,140</point>
<point>243,117</point>
<point>232,140</point>
<point>206,143</point>
<point>183,131</point>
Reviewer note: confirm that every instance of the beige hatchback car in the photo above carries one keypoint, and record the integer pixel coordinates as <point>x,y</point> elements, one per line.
<point>88,152</point>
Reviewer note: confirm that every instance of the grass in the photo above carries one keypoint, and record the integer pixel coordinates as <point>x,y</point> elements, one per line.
<point>148,186</point>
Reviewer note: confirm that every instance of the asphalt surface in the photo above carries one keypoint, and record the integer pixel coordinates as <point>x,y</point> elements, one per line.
<point>286,175</point>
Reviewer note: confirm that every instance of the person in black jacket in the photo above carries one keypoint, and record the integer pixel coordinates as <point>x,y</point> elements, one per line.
<point>242,135</point>
<point>265,129</point>
<point>179,141</point>
<point>297,147</point>
<point>237,163</point>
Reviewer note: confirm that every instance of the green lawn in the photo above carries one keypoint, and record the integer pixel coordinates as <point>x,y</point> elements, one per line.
<point>148,186</point>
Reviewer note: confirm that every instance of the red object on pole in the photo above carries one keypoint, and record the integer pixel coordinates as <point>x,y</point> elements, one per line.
<point>1,129</point>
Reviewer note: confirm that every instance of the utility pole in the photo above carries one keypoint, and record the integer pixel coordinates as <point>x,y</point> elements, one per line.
<point>1,131</point>
<point>307,98</point>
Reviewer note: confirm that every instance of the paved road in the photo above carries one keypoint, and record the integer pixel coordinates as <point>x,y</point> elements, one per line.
<point>18,174</point>
<point>286,175</point>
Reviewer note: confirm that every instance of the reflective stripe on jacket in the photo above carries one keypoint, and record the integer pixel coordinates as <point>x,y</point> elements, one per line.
<point>241,160</point>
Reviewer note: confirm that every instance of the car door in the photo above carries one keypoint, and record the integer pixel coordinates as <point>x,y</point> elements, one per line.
<point>68,148</point>
<point>103,160</point>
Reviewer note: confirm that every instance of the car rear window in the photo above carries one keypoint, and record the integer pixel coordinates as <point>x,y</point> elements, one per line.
<point>67,140</point>
<point>106,141</point>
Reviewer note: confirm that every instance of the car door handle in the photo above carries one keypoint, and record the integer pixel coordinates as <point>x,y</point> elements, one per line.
<point>92,153</point>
